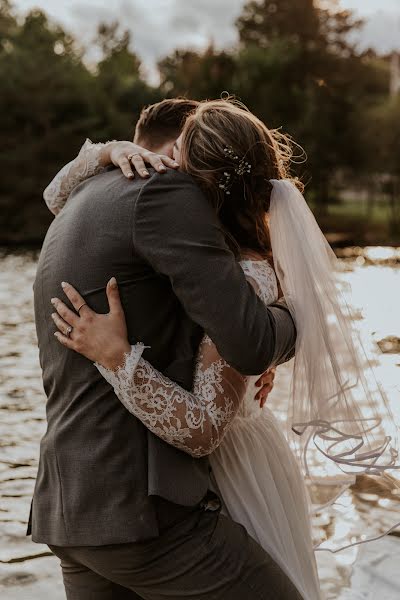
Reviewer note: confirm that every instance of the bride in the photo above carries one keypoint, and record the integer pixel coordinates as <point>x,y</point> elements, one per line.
<point>243,167</point>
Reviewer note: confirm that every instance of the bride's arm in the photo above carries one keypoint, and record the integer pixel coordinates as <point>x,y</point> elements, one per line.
<point>93,159</point>
<point>195,421</point>
<point>89,162</point>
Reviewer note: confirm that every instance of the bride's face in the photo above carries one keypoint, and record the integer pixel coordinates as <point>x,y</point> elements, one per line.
<point>176,152</point>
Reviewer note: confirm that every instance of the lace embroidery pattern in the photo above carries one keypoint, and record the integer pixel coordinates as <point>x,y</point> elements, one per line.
<point>263,278</point>
<point>84,166</point>
<point>179,417</point>
<point>196,421</point>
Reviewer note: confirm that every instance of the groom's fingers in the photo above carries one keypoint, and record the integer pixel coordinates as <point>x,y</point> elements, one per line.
<point>266,377</point>
<point>263,394</point>
<point>265,390</point>
<point>114,300</point>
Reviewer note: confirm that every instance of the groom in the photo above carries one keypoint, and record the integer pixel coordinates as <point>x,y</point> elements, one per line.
<point>128,515</point>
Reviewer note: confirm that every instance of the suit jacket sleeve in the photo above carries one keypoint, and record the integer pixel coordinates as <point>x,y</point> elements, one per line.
<point>177,231</point>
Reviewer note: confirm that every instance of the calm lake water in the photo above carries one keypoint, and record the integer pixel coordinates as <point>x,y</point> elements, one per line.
<point>25,571</point>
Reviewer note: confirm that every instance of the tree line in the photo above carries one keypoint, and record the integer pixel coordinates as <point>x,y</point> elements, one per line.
<point>294,65</point>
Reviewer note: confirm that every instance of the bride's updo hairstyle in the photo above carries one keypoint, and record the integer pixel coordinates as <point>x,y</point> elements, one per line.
<point>232,156</point>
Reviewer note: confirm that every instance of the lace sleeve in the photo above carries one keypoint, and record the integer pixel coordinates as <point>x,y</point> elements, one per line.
<point>263,279</point>
<point>194,422</point>
<point>85,165</point>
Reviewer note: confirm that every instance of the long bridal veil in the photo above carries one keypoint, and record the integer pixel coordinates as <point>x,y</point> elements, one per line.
<point>339,414</point>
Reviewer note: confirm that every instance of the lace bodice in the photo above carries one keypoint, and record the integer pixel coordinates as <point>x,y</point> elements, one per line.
<point>85,165</point>
<point>195,421</point>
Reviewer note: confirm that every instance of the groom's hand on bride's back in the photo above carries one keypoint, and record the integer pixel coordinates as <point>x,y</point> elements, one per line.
<point>266,384</point>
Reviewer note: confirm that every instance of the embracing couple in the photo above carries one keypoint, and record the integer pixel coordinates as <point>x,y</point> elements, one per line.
<point>162,474</point>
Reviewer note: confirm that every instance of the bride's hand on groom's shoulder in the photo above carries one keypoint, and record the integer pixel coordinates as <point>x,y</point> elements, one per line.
<point>131,158</point>
<point>102,338</point>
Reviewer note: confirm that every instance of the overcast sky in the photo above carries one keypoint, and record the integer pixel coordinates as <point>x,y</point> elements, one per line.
<point>158,26</point>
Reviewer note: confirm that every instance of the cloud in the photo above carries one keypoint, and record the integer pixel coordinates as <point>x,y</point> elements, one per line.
<point>381,31</point>
<point>211,17</point>
<point>160,26</point>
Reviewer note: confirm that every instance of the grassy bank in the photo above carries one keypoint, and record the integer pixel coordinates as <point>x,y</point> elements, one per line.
<point>358,222</point>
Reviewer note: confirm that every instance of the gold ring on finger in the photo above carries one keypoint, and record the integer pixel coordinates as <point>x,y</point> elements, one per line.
<point>81,306</point>
<point>68,331</point>
<point>130,156</point>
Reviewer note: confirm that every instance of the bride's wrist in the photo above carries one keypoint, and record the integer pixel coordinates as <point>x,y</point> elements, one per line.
<point>115,358</point>
<point>105,154</point>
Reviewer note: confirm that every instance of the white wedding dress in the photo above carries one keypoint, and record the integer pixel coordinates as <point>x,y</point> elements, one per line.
<point>253,467</point>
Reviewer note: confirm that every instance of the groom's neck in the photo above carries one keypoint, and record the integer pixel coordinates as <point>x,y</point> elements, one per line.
<point>165,147</point>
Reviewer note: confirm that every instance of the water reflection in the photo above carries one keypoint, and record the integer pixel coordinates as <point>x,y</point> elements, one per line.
<point>376,297</point>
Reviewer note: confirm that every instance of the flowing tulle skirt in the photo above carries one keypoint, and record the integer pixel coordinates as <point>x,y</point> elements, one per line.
<point>262,488</point>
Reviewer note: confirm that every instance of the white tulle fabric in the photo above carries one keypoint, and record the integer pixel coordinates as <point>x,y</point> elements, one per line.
<point>85,165</point>
<point>331,376</point>
<point>253,467</point>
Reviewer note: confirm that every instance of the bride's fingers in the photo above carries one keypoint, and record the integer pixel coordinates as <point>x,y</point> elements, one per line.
<point>64,340</point>
<point>62,325</point>
<point>139,165</point>
<point>114,300</point>
<point>126,167</point>
<point>160,162</point>
<point>75,298</point>
<point>68,315</point>
<point>169,162</point>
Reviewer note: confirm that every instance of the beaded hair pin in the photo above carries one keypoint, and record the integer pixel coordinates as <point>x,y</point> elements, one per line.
<point>242,167</point>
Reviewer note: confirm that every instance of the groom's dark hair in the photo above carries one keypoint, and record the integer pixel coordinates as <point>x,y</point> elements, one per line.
<point>163,121</point>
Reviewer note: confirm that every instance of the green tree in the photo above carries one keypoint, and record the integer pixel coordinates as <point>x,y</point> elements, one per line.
<point>49,103</point>
<point>294,66</point>
<point>381,137</point>
<point>122,90</point>
<point>199,75</point>
<point>308,78</point>
<point>44,114</point>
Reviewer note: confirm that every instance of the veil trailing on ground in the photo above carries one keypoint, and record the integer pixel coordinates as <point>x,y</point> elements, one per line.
<point>340,415</point>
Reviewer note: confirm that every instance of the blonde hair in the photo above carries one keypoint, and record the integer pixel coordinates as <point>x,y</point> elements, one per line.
<point>210,131</point>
